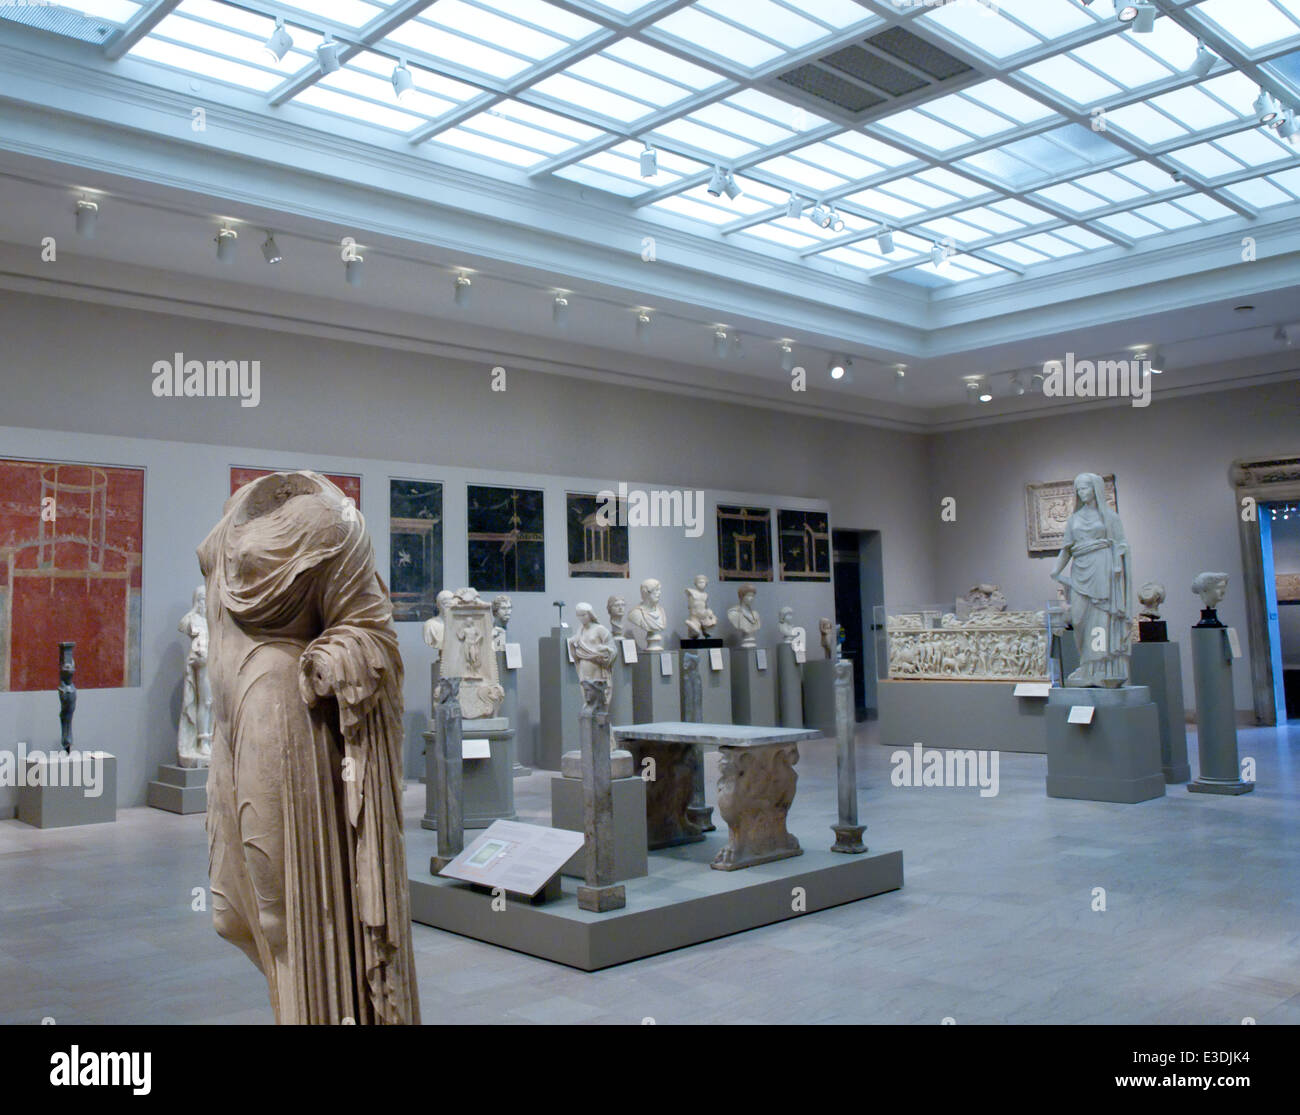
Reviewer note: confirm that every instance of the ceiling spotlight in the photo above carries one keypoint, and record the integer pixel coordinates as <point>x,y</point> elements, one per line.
<point>1144,21</point>
<point>1287,126</point>
<point>403,82</point>
<point>900,378</point>
<point>839,367</point>
<point>87,216</point>
<point>837,222</point>
<point>642,325</point>
<point>1265,107</point>
<point>352,269</point>
<point>226,237</point>
<point>649,162</point>
<point>821,216</point>
<point>938,254</point>
<point>717,182</point>
<point>1127,13</point>
<point>720,343</point>
<point>972,391</point>
<point>986,396</point>
<point>278,45</point>
<point>327,55</point>
<point>794,206</point>
<point>270,252</point>
<point>1018,386</point>
<point>560,311</point>
<point>1204,61</point>
<point>733,190</point>
<point>787,356</point>
<point>885,241</point>
<point>462,289</point>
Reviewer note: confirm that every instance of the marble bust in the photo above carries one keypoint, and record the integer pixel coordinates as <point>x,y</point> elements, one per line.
<point>501,608</point>
<point>433,628</point>
<point>593,650</point>
<point>1099,586</point>
<point>744,617</point>
<point>785,624</point>
<point>1211,588</point>
<point>827,629</point>
<point>649,615</point>
<point>700,620</point>
<point>616,606</point>
<point>1151,595</point>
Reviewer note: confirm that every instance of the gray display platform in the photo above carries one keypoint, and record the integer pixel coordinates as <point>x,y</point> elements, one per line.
<point>1159,667</point>
<point>488,785</point>
<point>680,902</point>
<point>975,715</point>
<point>715,687</point>
<point>55,792</point>
<point>559,699</point>
<point>179,789</point>
<point>789,687</point>
<point>655,698</point>
<point>1116,757</point>
<point>629,824</point>
<point>1216,718</point>
<point>753,690</point>
<point>819,695</point>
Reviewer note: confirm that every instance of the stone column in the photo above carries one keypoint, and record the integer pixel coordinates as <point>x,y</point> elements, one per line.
<point>599,893</point>
<point>444,767</point>
<point>848,833</point>
<point>693,713</point>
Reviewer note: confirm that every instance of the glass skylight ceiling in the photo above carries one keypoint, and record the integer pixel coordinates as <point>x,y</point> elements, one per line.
<point>1027,131</point>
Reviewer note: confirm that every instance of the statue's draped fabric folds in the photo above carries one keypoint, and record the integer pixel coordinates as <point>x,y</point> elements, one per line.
<point>307,861</point>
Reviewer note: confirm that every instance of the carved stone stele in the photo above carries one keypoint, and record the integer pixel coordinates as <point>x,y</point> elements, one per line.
<point>467,654</point>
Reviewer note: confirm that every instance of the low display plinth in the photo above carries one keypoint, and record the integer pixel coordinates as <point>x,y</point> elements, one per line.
<point>487,785</point>
<point>680,902</point>
<point>629,824</point>
<point>62,790</point>
<point>179,789</point>
<point>1159,666</point>
<point>753,688</point>
<point>789,687</point>
<point>1116,757</point>
<point>971,715</point>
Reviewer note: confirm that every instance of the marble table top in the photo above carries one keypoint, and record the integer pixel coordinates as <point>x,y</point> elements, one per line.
<point>713,735</point>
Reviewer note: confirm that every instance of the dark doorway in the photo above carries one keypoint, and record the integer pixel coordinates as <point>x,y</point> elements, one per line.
<point>859,589</point>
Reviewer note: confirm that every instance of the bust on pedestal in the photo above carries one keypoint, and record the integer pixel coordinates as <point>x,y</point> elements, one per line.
<point>1216,717</point>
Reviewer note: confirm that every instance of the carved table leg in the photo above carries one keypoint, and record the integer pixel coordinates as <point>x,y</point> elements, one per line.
<point>755,789</point>
<point>669,788</point>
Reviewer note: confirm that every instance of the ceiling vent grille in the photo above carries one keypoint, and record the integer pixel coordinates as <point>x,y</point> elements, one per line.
<point>61,21</point>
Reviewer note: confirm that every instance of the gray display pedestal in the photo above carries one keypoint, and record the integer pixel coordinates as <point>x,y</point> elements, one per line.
<point>819,695</point>
<point>559,699</point>
<point>1216,717</point>
<point>55,792</point>
<point>510,710</point>
<point>179,789</point>
<point>979,715</point>
<point>1065,653</point>
<point>629,824</point>
<point>753,689</point>
<point>789,688</point>
<point>1114,758</point>
<point>488,785</point>
<point>656,697</point>
<point>715,688</point>
<point>620,691</point>
<point>1159,667</point>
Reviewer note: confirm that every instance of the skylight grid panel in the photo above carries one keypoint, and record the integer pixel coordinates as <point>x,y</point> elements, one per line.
<point>612,184</point>
<point>366,85</point>
<point>1016,252</point>
<point>758,194</point>
<point>696,210</point>
<point>227,15</point>
<point>807,232</point>
<point>1166,215</point>
<point>1087,240</point>
<point>1064,76</point>
<point>1193,108</point>
<point>1144,123</point>
<point>1288,179</point>
<point>1168,41</point>
<point>1148,176</point>
<point>1126,224</point>
<point>982,27</point>
<point>1259,193</point>
<point>925,130</point>
<point>547,17</point>
<point>783,236</point>
<point>624,7</point>
<point>1235,90</point>
<point>1204,208</point>
<point>668,66</point>
<point>851,257</point>
<point>967,115</point>
<point>734,208</point>
<point>1003,167</point>
<point>910,243</point>
<point>708,141</point>
<point>773,21</point>
<point>836,159</point>
<point>1002,98</point>
<point>355,108</point>
<point>583,95</point>
<point>806,177</point>
<point>698,29</point>
<point>920,193</point>
<point>489,148</point>
<point>1048,18</point>
<point>236,45</point>
<point>1050,245</point>
<point>1255,24</point>
<point>958,184</point>
<point>993,222</point>
<point>869,147</point>
<point>950,271</point>
<point>958,231</point>
<point>114,11</point>
<point>981,266</point>
<point>794,117</point>
<point>348,13</point>
<point>497,126</point>
<point>1121,61</point>
<point>745,125</point>
<point>886,204</point>
<point>839,14</point>
<point>1110,186</point>
<point>1025,214</point>
<point>1071,198</point>
<point>488,26</point>
<point>1206,160</point>
<point>439,43</point>
<point>619,165</point>
<point>1256,147</point>
<point>186,60</point>
<point>628,81</point>
<point>548,121</point>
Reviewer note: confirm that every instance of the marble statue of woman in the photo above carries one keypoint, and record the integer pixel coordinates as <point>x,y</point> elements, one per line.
<point>700,620</point>
<point>826,627</point>
<point>1099,586</point>
<point>194,735</point>
<point>501,609</point>
<point>744,617</point>
<point>306,856</point>
<point>433,628</point>
<point>593,649</point>
<point>616,606</point>
<point>649,616</point>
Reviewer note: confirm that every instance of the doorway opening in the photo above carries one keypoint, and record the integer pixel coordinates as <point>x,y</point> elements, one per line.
<point>1279,529</point>
<point>859,590</point>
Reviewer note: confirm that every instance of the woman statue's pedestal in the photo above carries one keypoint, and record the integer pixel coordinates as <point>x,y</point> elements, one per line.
<point>1216,716</point>
<point>1114,755</point>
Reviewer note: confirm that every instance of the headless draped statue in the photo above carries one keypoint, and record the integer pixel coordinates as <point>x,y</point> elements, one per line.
<point>307,861</point>
<point>1099,587</point>
<point>194,733</point>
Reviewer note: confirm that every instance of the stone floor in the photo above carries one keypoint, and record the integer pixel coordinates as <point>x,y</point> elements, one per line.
<point>996,922</point>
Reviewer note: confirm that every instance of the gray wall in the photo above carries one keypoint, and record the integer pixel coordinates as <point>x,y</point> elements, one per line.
<point>77,387</point>
<point>1171,463</point>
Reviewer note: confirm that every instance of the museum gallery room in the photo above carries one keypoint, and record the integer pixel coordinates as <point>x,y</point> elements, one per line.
<point>650,512</point>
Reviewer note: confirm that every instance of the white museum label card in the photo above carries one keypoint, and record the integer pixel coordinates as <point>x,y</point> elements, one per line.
<point>715,657</point>
<point>1033,688</point>
<point>1234,642</point>
<point>514,656</point>
<point>1081,714</point>
<point>800,655</point>
<point>475,749</point>
<point>666,665</point>
<point>629,650</point>
<point>568,646</point>
<point>516,857</point>
<point>761,658</point>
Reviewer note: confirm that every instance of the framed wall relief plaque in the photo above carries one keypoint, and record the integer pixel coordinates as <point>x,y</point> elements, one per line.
<point>1048,508</point>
